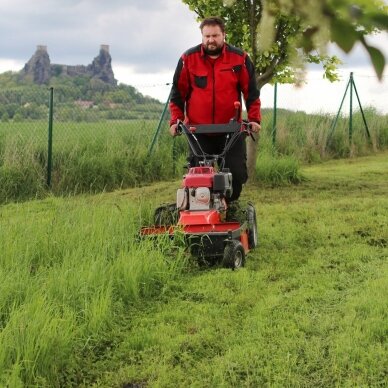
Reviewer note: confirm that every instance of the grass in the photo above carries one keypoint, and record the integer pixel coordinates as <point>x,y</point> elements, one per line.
<point>82,303</point>
<point>277,170</point>
<point>104,156</point>
<point>309,310</point>
<point>88,157</point>
<point>67,268</point>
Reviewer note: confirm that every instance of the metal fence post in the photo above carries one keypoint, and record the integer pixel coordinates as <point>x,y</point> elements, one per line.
<point>352,85</point>
<point>361,110</point>
<point>338,113</point>
<point>50,137</point>
<point>274,114</point>
<point>159,125</point>
<point>351,109</point>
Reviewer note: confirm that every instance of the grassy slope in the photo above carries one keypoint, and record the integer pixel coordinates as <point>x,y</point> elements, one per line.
<point>309,308</point>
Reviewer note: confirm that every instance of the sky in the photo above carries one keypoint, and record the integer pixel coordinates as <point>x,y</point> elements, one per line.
<point>146,38</point>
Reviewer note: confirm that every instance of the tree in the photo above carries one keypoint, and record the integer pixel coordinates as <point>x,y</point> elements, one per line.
<point>281,36</point>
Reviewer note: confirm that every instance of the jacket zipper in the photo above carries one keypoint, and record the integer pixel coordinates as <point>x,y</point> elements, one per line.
<point>214,94</point>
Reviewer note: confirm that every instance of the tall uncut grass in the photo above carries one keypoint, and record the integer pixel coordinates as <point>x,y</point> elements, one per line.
<point>93,157</point>
<point>312,138</point>
<point>303,138</point>
<point>65,276</point>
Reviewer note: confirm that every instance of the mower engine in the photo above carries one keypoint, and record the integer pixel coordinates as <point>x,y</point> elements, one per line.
<point>204,189</point>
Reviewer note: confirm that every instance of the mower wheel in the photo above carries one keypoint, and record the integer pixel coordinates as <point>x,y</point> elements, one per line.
<point>253,239</point>
<point>234,255</point>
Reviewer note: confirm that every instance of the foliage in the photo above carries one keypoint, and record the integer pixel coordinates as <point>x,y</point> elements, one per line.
<point>94,99</point>
<point>281,36</point>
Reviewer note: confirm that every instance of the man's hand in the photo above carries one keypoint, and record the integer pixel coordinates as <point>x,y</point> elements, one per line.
<point>254,127</point>
<point>173,130</point>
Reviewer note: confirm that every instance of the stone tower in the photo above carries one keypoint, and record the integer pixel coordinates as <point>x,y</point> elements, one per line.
<point>101,67</point>
<point>38,68</point>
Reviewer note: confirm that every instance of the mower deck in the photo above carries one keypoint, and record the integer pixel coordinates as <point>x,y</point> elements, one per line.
<point>204,239</point>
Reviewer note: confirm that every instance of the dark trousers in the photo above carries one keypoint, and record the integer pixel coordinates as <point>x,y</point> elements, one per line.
<point>235,159</point>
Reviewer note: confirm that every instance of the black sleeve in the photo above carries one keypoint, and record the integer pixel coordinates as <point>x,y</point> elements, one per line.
<point>176,96</point>
<point>253,91</point>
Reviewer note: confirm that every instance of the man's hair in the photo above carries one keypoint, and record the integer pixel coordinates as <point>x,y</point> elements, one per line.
<point>213,21</point>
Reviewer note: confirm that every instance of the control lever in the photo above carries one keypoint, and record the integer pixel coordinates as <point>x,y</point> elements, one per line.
<point>237,109</point>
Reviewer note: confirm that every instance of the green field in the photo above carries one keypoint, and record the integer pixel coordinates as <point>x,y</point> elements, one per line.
<point>91,157</point>
<point>82,303</point>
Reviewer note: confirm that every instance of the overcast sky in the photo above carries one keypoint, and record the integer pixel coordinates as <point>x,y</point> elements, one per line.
<point>146,34</point>
<point>145,37</point>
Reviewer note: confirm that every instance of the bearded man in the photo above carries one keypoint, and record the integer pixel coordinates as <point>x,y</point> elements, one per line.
<point>208,80</point>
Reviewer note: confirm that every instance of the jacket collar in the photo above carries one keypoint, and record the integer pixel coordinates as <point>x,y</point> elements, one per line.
<point>224,54</point>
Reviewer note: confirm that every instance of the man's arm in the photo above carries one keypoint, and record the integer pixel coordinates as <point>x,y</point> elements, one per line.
<point>178,94</point>
<point>251,94</point>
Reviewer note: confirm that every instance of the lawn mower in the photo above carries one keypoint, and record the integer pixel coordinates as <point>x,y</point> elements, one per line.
<point>201,208</point>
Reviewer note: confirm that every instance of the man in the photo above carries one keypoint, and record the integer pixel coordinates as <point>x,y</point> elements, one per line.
<point>208,79</point>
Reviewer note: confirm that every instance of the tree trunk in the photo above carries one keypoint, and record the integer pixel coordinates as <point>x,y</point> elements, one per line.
<point>252,145</point>
<point>251,156</point>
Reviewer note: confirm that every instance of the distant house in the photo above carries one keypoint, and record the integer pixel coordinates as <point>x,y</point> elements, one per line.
<point>84,104</point>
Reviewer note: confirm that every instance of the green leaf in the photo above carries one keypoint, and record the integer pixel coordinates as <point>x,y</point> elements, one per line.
<point>377,59</point>
<point>343,34</point>
<point>380,20</point>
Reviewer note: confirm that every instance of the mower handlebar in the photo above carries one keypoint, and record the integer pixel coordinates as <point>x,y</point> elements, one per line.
<point>232,131</point>
<point>232,127</point>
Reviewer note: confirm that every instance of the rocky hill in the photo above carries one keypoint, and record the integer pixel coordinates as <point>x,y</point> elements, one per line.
<point>39,68</point>
<point>81,93</point>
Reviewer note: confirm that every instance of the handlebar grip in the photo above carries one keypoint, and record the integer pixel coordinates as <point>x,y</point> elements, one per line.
<point>178,129</point>
<point>247,128</point>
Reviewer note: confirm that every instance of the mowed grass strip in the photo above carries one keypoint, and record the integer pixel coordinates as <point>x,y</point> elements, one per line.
<point>83,303</point>
<point>310,308</point>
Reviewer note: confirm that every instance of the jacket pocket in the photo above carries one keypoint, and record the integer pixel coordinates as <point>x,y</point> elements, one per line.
<point>234,69</point>
<point>200,81</point>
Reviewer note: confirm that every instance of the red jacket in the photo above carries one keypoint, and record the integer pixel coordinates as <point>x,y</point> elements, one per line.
<point>204,90</point>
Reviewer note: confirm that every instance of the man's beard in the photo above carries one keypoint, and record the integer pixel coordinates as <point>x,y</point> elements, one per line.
<point>213,51</point>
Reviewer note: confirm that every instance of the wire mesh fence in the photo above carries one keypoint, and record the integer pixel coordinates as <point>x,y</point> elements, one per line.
<point>104,139</point>
<point>97,144</point>
<point>317,95</point>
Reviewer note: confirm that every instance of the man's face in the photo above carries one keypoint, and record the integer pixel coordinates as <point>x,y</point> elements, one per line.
<point>213,39</point>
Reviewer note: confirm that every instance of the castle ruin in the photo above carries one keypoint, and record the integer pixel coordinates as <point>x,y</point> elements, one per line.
<point>39,68</point>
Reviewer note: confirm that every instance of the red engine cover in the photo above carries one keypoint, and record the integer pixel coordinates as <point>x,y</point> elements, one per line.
<point>199,177</point>
<point>201,217</point>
